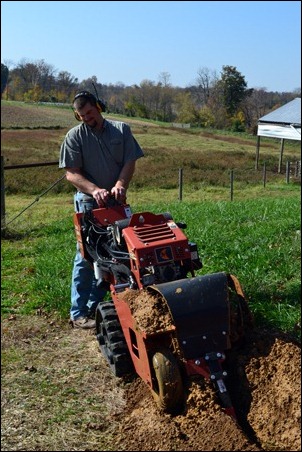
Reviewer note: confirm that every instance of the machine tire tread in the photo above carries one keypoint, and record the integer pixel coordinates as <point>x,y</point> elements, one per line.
<point>169,390</point>
<point>111,340</point>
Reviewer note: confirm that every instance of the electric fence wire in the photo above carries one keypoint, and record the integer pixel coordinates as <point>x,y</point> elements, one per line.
<point>36,200</point>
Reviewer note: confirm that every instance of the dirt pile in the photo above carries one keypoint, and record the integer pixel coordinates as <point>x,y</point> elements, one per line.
<point>148,310</point>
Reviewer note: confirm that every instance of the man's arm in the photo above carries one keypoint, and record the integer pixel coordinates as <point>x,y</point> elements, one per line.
<point>120,188</point>
<point>126,174</point>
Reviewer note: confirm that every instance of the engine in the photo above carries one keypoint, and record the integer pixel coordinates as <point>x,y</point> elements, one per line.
<point>135,250</point>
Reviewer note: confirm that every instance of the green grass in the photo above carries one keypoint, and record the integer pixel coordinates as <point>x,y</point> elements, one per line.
<point>257,240</point>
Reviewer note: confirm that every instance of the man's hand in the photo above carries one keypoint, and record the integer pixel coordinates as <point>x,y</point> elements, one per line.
<point>101,195</point>
<point>119,194</point>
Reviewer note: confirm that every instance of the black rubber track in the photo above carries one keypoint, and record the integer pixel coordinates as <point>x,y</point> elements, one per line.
<point>111,339</point>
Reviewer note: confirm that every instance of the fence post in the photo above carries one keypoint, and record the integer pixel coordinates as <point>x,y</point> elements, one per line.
<point>281,155</point>
<point>297,166</point>
<point>180,184</point>
<point>257,152</point>
<point>2,194</point>
<point>287,171</point>
<point>232,184</point>
<point>264,174</point>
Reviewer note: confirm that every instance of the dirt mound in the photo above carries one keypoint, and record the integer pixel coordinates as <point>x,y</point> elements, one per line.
<point>264,382</point>
<point>59,394</point>
<point>202,427</point>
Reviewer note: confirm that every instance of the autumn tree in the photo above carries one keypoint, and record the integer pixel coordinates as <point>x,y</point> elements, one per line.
<point>4,77</point>
<point>66,85</point>
<point>205,81</point>
<point>187,111</point>
<point>166,96</point>
<point>32,80</point>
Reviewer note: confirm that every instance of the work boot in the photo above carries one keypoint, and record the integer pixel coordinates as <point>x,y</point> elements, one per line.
<point>83,322</point>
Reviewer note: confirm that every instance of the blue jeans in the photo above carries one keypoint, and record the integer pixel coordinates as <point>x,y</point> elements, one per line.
<point>85,295</point>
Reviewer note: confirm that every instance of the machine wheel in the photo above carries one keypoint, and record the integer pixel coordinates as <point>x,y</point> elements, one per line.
<point>169,392</point>
<point>111,339</point>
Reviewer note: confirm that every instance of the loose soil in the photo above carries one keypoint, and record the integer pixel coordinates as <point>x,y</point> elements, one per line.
<point>58,394</point>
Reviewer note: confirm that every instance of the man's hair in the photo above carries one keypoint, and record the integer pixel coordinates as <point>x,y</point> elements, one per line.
<point>82,98</point>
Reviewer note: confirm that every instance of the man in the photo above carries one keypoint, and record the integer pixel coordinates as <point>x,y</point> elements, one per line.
<point>99,156</point>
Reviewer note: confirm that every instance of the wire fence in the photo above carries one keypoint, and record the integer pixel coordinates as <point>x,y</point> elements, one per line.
<point>293,169</point>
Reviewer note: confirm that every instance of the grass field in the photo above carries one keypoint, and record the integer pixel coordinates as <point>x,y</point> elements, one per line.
<point>206,157</point>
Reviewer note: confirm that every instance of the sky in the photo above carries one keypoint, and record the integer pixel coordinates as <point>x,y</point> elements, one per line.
<point>131,41</point>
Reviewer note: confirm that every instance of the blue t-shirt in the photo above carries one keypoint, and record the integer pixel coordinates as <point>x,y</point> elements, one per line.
<point>100,154</point>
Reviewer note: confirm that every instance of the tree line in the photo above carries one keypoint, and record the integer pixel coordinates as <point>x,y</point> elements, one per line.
<point>220,101</point>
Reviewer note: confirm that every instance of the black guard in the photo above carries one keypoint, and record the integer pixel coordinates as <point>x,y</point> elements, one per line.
<point>200,310</point>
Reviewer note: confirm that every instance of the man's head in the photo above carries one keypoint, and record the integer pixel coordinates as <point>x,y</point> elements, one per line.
<point>87,108</point>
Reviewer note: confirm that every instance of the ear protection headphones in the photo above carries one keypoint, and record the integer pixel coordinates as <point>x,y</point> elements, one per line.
<point>100,105</point>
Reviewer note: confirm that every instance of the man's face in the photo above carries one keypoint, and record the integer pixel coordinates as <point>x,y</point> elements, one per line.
<point>89,114</point>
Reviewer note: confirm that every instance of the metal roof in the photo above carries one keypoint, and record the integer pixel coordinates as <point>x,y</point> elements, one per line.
<point>289,113</point>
